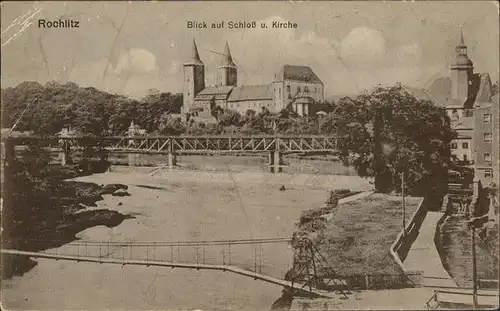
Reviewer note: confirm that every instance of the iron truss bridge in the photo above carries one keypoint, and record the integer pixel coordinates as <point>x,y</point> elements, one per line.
<point>190,144</point>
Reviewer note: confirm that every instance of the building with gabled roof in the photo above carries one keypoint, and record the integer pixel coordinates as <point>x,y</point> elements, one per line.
<point>289,89</point>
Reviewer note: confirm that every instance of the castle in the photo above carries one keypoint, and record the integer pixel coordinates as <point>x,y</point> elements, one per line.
<point>295,87</point>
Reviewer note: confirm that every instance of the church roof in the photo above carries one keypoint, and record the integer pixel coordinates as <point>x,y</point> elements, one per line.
<point>195,56</point>
<point>484,88</point>
<point>298,73</point>
<point>214,92</point>
<point>479,91</point>
<point>227,59</point>
<point>420,94</point>
<point>251,92</point>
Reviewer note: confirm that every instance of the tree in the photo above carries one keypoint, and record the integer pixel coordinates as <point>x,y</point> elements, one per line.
<point>171,125</point>
<point>196,128</point>
<point>389,131</point>
<point>229,118</point>
<point>89,110</point>
<point>125,113</point>
<point>216,111</point>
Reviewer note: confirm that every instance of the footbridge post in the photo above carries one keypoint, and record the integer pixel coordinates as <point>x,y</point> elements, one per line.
<point>304,265</point>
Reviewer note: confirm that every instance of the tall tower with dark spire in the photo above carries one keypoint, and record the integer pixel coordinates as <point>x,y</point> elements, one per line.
<point>227,72</point>
<point>194,78</point>
<point>461,72</point>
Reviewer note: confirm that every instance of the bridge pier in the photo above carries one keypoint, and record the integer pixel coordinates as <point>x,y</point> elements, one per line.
<point>133,159</point>
<point>172,159</point>
<point>65,154</point>
<point>275,161</point>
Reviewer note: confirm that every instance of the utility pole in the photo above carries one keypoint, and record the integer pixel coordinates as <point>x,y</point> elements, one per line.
<point>404,207</point>
<point>474,271</point>
<point>472,223</point>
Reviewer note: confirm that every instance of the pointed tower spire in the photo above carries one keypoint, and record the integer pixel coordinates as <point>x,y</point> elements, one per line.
<point>461,48</point>
<point>195,56</point>
<point>227,59</point>
<point>461,38</point>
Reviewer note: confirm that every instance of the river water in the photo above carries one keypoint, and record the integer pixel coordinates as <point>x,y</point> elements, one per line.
<point>177,205</point>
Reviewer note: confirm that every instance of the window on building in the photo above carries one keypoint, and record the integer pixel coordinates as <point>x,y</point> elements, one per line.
<point>306,89</point>
<point>465,145</point>
<point>279,91</point>
<point>298,89</point>
<point>288,88</point>
<point>487,158</point>
<point>488,174</point>
<point>454,145</point>
<point>466,158</point>
<point>468,112</point>
<point>289,96</point>
<point>487,136</point>
<point>454,114</point>
<point>487,117</point>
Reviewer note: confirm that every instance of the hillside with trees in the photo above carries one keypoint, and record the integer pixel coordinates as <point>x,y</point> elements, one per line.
<point>87,109</point>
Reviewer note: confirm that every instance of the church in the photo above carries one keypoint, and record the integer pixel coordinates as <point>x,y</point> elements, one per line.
<point>473,109</point>
<point>294,87</point>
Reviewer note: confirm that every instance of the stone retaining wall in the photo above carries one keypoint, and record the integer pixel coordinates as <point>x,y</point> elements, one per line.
<point>402,245</point>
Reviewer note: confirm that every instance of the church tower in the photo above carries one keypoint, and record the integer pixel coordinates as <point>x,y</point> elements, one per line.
<point>461,72</point>
<point>194,78</point>
<point>227,72</point>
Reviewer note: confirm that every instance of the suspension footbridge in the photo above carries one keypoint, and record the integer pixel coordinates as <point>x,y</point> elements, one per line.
<point>309,273</point>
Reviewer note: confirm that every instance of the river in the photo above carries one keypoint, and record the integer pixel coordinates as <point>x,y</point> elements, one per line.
<point>178,205</point>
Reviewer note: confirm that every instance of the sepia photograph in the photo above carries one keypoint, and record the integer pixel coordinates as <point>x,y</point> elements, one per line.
<point>250,155</point>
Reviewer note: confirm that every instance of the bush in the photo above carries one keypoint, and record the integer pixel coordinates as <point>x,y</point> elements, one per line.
<point>311,220</point>
<point>314,225</point>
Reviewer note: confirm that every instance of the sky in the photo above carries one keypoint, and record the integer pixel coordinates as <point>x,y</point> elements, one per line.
<point>130,47</point>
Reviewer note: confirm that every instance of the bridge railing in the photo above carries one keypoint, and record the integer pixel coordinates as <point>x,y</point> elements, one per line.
<point>190,143</point>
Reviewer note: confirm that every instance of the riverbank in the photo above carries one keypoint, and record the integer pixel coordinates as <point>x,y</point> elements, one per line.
<point>359,235</point>
<point>51,214</point>
<point>353,239</point>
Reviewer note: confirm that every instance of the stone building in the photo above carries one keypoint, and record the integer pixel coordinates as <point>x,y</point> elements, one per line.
<point>294,87</point>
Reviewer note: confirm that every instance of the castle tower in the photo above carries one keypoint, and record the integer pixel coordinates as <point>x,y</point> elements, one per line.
<point>461,72</point>
<point>227,72</point>
<point>194,78</point>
